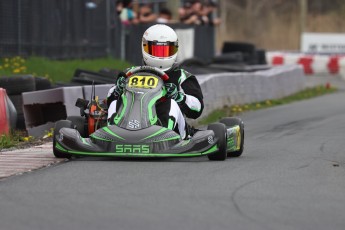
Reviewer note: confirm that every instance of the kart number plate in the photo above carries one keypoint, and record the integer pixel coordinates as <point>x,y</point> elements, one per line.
<point>143,82</point>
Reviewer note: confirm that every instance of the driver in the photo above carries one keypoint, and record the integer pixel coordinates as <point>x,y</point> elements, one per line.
<point>184,96</point>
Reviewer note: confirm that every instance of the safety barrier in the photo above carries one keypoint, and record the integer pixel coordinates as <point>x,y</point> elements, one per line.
<point>8,114</point>
<point>43,108</point>
<point>241,88</point>
<point>312,64</point>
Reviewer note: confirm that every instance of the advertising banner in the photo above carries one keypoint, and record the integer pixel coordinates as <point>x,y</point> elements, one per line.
<point>328,43</point>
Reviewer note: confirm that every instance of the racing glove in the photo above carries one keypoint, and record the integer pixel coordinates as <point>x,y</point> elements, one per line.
<point>120,84</point>
<point>173,93</point>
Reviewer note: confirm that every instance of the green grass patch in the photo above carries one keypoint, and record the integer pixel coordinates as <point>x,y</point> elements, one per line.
<point>228,111</point>
<point>12,139</point>
<point>20,139</point>
<point>56,70</point>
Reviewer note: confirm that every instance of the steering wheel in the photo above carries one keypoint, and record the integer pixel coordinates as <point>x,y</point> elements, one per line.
<point>148,69</point>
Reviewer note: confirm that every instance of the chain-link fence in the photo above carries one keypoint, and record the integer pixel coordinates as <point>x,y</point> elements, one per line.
<point>66,29</point>
<point>55,28</point>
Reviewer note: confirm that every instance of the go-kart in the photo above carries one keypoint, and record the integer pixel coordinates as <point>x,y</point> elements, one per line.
<point>137,131</point>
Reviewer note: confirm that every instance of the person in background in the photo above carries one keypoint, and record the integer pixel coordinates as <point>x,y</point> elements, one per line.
<point>164,16</point>
<point>191,13</point>
<point>146,15</point>
<point>209,11</point>
<point>184,11</point>
<point>125,12</point>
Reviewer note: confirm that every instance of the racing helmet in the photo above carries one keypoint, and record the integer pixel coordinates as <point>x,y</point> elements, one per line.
<point>159,46</point>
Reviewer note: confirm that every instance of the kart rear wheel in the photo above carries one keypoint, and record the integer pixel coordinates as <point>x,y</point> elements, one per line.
<point>79,124</point>
<point>59,125</point>
<point>230,122</point>
<point>219,130</point>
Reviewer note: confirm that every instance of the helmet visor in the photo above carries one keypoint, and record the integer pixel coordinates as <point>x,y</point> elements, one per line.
<point>160,49</point>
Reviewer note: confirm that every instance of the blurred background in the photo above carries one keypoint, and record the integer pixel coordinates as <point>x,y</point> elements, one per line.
<point>63,29</point>
<point>49,44</point>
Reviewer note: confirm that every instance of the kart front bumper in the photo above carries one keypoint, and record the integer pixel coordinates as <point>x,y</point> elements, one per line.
<point>70,141</point>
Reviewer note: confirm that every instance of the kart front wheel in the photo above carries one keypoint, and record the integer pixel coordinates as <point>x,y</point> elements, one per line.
<point>219,130</point>
<point>59,125</point>
<point>231,122</point>
<point>79,124</point>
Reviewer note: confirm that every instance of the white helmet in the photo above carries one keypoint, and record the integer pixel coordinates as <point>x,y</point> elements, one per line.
<point>159,46</point>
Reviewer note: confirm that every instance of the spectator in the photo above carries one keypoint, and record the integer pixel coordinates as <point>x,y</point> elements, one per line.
<point>146,15</point>
<point>191,13</point>
<point>125,12</point>
<point>209,10</point>
<point>164,16</point>
<point>184,11</point>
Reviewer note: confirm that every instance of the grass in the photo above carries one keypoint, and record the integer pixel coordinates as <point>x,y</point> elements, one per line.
<point>228,111</point>
<point>13,139</point>
<point>20,139</point>
<point>56,70</point>
<point>63,71</point>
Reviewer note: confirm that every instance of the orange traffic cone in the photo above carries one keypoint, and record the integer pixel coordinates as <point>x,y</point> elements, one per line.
<point>8,113</point>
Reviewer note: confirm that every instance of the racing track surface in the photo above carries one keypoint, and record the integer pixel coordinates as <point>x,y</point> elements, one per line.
<point>291,176</point>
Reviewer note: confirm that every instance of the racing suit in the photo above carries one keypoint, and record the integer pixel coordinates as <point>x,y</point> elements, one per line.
<point>170,113</point>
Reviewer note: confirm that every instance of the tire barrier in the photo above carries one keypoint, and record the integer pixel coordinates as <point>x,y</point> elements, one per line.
<point>8,113</point>
<point>312,64</point>
<point>249,54</point>
<point>247,50</point>
<point>16,85</point>
<point>86,77</point>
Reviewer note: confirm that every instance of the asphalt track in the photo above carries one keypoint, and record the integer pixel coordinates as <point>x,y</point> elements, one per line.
<point>291,176</point>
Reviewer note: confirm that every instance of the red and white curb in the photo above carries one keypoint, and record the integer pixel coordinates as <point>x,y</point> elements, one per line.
<point>312,64</point>
<point>17,162</point>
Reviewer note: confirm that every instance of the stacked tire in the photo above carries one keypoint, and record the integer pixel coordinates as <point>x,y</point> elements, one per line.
<point>87,77</point>
<point>18,84</point>
<point>242,52</point>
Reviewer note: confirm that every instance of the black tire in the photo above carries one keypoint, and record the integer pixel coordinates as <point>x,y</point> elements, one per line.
<point>17,101</point>
<point>18,84</point>
<point>79,124</point>
<point>219,130</point>
<point>230,122</point>
<point>20,122</point>
<point>59,125</point>
<point>192,62</point>
<point>229,47</point>
<point>42,83</point>
<point>248,51</point>
<point>110,73</point>
<point>261,55</point>
<point>88,77</point>
<point>233,57</point>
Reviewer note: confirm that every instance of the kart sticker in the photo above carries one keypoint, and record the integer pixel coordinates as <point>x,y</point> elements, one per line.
<point>132,149</point>
<point>234,138</point>
<point>134,124</point>
<point>143,82</point>
<point>210,140</point>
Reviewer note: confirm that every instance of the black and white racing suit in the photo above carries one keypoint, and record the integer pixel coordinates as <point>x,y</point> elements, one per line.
<point>170,113</point>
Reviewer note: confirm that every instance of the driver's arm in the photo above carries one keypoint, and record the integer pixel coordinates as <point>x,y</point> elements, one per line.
<point>193,105</point>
